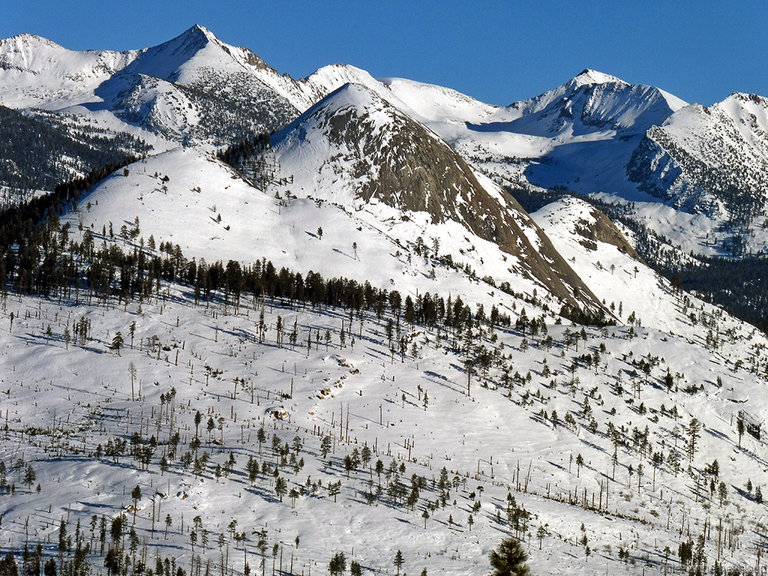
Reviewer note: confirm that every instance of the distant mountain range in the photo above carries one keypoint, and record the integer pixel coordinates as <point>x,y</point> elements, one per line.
<point>690,180</point>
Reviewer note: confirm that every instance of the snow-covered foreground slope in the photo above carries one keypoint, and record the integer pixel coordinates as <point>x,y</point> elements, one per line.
<point>553,443</point>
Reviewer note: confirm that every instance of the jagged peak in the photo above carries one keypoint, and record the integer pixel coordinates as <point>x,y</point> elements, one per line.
<point>198,29</point>
<point>194,37</point>
<point>25,39</point>
<point>589,77</point>
<point>747,97</point>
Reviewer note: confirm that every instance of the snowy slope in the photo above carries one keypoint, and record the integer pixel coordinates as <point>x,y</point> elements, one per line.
<point>606,261</point>
<point>547,440</point>
<point>355,149</point>
<point>211,213</point>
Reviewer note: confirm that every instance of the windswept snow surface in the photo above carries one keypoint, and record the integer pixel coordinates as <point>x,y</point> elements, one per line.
<point>613,275</point>
<point>212,213</point>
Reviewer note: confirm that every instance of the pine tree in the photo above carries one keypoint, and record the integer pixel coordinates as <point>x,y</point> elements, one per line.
<point>136,496</point>
<point>398,561</point>
<point>334,489</point>
<point>117,342</point>
<point>29,476</point>
<point>338,564</point>
<point>261,437</point>
<point>508,559</point>
<point>694,432</point>
<point>325,445</point>
<point>281,487</point>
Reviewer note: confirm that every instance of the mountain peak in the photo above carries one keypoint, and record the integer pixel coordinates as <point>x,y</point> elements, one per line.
<point>193,38</point>
<point>27,38</point>
<point>589,76</point>
<point>26,44</point>
<point>747,97</point>
<point>200,33</point>
<point>353,94</point>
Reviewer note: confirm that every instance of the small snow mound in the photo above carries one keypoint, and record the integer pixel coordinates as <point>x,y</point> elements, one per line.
<point>338,359</point>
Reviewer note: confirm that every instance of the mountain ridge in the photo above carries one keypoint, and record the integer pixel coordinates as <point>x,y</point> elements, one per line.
<point>377,153</point>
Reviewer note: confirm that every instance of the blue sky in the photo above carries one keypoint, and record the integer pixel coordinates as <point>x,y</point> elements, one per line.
<point>496,51</point>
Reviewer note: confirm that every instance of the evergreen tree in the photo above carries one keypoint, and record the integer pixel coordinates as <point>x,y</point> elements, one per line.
<point>117,342</point>
<point>508,559</point>
<point>281,487</point>
<point>136,496</point>
<point>29,476</point>
<point>338,564</point>
<point>8,566</point>
<point>398,561</point>
<point>694,432</point>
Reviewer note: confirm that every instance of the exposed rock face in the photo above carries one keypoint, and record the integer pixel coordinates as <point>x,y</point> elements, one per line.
<point>710,160</point>
<point>373,152</point>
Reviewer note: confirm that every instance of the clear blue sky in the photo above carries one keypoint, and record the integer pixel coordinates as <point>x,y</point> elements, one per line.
<point>496,51</point>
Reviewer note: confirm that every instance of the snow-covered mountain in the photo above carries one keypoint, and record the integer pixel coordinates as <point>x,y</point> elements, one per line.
<point>712,161</point>
<point>593,134</point>
<point>38,73</point>
<point>353,148</point>
<point>193,88</point>
<point>349,338</point>
<point>690,177</point>
<point>579,136</point>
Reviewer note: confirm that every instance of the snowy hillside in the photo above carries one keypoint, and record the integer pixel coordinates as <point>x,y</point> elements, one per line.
<point>217,215</point>
<point>608,264</point>
<point>219,414</point>
<point>355,149</point>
